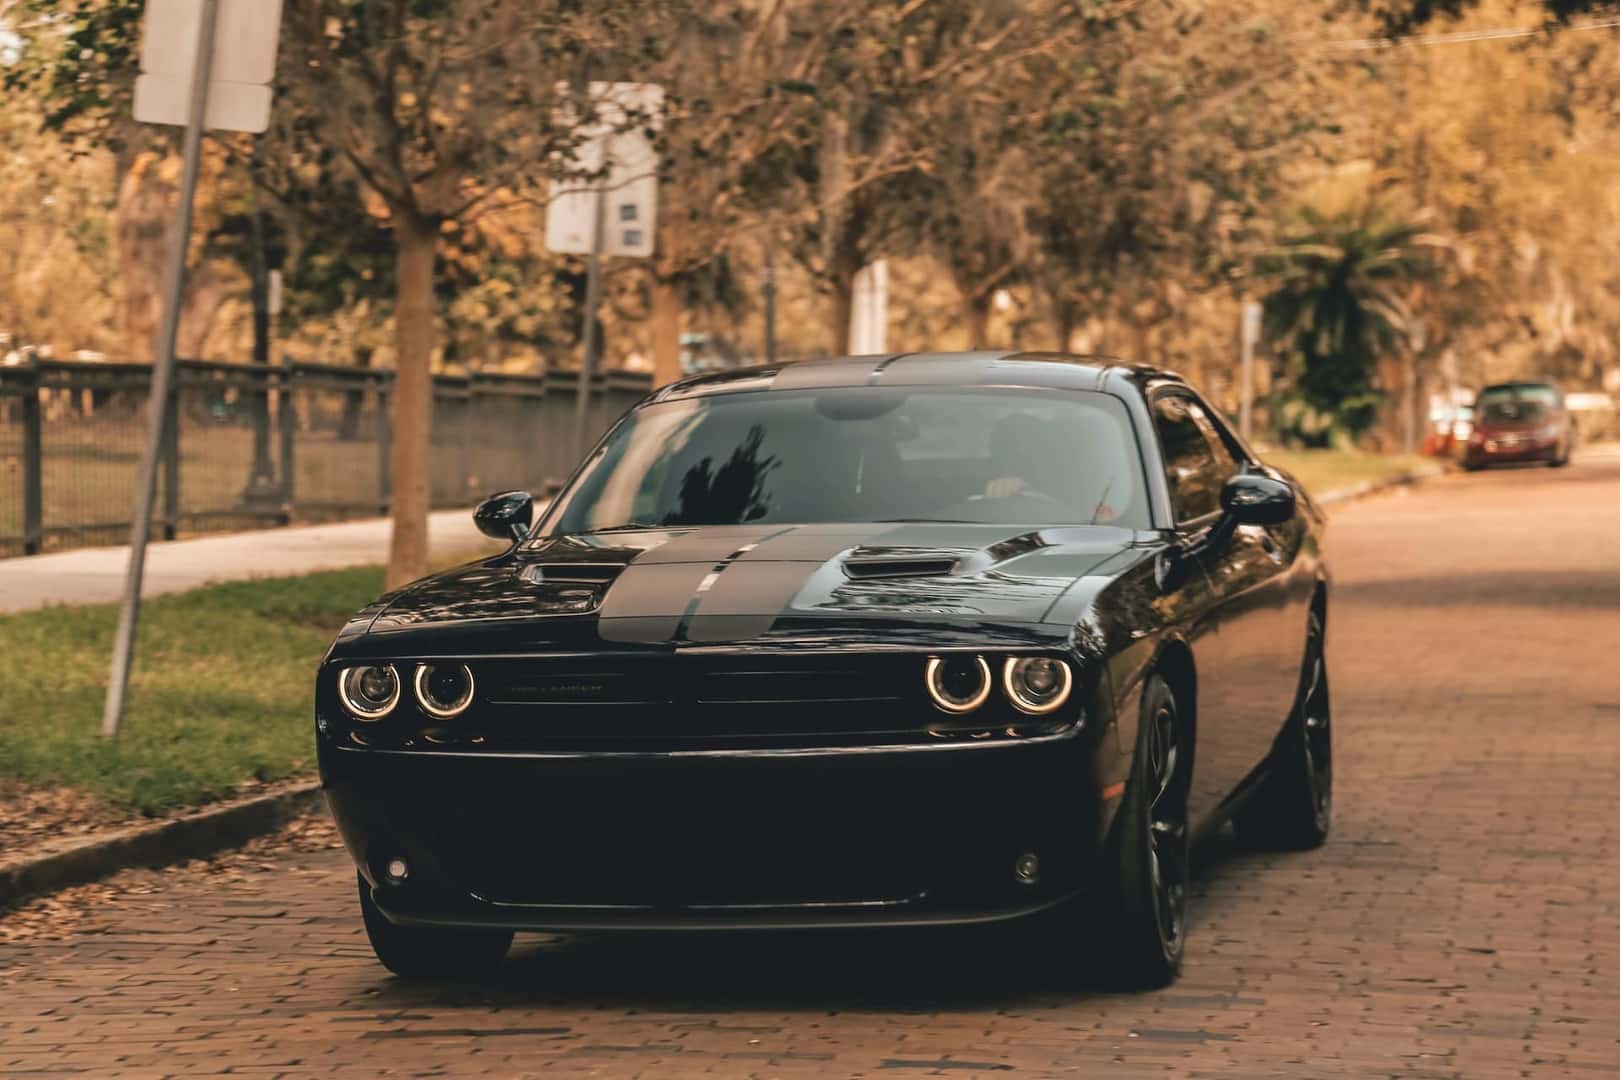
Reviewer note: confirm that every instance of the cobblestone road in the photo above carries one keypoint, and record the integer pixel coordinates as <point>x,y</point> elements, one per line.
<point>1464,921</point>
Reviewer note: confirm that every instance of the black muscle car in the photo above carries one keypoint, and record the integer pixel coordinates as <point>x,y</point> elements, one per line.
<point>916,639</point>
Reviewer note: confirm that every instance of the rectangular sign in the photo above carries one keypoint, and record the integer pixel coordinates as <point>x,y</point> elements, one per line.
<point>244,63</point>
<point>245,42</point>
<point>624,112</point>
<point>232,106</point>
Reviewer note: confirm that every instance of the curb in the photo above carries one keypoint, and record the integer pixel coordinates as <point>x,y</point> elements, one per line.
<point>1376,487</point>
<point>195,835</point>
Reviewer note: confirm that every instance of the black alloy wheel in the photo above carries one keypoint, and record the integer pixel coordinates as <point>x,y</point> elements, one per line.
<point>1152,864</point>
<point>1294,808</point>
<point>423,952</point>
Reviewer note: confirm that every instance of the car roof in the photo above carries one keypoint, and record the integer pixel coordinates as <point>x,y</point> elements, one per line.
<point>984,368</point>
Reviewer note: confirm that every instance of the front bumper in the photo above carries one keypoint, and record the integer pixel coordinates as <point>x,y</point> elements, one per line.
<point>726,839</point>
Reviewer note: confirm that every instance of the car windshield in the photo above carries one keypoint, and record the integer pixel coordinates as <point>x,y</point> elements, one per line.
<point>992,455</point>
<point>1515,404</point>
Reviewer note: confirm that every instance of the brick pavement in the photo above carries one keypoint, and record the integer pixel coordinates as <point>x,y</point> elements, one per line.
<point>1464,921</point>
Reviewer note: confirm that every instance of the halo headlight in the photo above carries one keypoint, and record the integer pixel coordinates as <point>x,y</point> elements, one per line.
<point>444,690</point>
<point>1036,684</point>
<point>369,691</point>
<point>958,684</point>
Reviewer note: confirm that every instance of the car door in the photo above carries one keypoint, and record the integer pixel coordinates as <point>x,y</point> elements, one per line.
<point>1265,595</point>
<point>1237,640</point>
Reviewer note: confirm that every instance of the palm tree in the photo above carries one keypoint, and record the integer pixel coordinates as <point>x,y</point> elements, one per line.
<point>1338,302</point>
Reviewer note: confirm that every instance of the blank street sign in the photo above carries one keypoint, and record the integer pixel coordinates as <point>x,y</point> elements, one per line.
<point>244,63</point>
<point>232,106</point>
<point>631,190</point>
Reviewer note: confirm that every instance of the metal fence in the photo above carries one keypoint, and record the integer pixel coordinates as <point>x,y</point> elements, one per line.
<point>251,446</point>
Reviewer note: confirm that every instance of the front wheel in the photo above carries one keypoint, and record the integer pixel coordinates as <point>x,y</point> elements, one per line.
<point>1293,810</point>
<point>1147,900</point>
<point>424,952</point>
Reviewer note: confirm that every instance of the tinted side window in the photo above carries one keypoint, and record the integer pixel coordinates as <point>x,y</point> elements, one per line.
<point>1197,463</point>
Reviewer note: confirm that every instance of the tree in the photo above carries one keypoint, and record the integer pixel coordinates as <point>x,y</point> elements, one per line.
<point>1339,302</point>
<point>445,110</point>
<point>880,85</point>
<point>1161,165</point>
<point>1405,16</point>
<point>436,113</point>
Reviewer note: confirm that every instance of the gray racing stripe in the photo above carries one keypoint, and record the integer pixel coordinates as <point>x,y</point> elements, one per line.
<point>816,543</point>
<point>714,544</point>
<point>746,599</point>
<point>810,374</point>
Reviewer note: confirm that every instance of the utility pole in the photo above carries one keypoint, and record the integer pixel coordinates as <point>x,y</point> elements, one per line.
<point>1250,337</point>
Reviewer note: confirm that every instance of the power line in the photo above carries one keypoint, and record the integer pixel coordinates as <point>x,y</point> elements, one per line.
<point>1464,37</point>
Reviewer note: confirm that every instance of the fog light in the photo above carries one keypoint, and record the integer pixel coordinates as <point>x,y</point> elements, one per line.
<point>1027,868</point>
<point>397,870</point>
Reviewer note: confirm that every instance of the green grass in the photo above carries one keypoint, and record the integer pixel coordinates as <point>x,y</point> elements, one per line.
<point>1322,471</point>
<point>222,690</point>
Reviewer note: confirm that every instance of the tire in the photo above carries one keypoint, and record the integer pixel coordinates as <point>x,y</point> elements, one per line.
<point>419,952</point>
<point>1293,810</point>
<point>1146,903</point>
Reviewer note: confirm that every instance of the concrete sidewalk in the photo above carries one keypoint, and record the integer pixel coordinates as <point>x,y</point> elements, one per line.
<point>96,575</point>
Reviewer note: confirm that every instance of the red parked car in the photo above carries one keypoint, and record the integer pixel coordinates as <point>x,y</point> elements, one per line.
<point>1520,422</point>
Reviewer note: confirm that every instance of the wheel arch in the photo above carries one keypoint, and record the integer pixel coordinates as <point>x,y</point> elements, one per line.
<point>1176,665</point>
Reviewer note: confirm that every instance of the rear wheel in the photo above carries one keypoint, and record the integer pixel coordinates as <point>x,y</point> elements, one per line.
<point>423,952</point>
<point>1147,902</point>
<point>1294,808</point>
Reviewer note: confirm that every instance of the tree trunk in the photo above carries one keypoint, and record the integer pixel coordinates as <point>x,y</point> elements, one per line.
<point>666,331</point>
<point>1063,325</point>
<point>207,289</point>
<point>1144,342</point>
<point>843,309</point>
<point>976,320</point>
<point>413,398</point>
<point>354,401</point>
<point>143,239</point>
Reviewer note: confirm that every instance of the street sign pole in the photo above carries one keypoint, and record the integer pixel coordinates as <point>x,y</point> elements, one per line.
<point>593,300</point>
<point>770,297</point>
<point>1250,337</point>
<point>162,374</point>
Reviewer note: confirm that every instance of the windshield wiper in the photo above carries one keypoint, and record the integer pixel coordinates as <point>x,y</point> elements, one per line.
<point>632,526</point>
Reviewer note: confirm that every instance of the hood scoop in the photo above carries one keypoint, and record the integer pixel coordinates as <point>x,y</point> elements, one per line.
<point>571,573</point>
<point>879,569</point>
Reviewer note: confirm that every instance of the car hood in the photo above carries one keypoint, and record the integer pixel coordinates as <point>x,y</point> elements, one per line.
<point>720,584</point>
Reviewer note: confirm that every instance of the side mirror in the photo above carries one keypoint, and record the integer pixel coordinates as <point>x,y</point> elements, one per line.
<point>1255,499</point>
<point>506,516</point>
